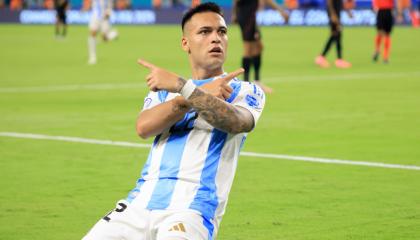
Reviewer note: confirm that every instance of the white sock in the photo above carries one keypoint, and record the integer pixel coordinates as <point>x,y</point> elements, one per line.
<point>92,47</point>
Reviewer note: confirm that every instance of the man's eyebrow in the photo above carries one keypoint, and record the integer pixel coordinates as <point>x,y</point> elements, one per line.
<point>210,28</point>
<point>205,28</point>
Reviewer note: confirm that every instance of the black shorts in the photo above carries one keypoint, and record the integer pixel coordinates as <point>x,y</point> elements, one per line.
<point>247,21</point>
<point>249,29</point>
<point>384,20</point>
<point>61,16</point>
<point>335,27</point>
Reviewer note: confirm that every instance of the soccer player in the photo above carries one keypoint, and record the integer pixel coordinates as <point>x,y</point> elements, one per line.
<point>100,22</point>
<point>245,14</point>
<point>199,126</point>
<point>334,8</point>
<point>61,18</point>
<point>384,24</point>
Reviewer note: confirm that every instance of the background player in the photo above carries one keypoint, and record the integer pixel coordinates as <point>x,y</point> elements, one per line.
<point>100,22</point>
<point>384,24</point>
<point>199,127</point>
<point>61,18</point>
<point>334,8</point>
<point>245,14</point>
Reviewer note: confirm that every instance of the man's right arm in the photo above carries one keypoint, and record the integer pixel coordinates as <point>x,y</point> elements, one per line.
<point>155,120</point>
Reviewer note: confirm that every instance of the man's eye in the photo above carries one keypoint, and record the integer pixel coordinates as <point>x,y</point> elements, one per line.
<point>204,32</point>
<point>222,31</point>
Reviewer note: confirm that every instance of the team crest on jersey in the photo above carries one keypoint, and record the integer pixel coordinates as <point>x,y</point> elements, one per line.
<point>147,102</point>
<point>252,101</point>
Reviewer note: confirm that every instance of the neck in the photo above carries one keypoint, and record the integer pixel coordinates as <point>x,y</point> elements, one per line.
<point>201,73</point>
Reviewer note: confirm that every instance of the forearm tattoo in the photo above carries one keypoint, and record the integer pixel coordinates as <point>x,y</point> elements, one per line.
<point>180,83</point>
<point>181,106</point>
<point>218,113</point>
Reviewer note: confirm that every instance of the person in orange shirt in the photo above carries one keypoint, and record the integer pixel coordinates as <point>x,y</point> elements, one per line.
<point>384,24</point>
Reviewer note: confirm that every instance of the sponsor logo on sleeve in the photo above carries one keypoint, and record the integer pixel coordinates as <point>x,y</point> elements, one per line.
<point>147,102</point>
<point>252,101</point>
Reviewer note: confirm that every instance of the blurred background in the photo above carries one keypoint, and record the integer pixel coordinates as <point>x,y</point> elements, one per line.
<point>303,12</point>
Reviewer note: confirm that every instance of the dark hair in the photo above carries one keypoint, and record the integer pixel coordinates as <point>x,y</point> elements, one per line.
<point>204,7</point>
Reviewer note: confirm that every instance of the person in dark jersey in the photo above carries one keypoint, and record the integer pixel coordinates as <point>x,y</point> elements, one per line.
<point>384,24</point>
<point>61,18</point>
<point>334,8</point>
<point>245,14</point>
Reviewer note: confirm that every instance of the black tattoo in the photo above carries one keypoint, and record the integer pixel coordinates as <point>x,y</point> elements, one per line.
<point>181,107</point>
<point>219,114</point>
<point>180,84</point>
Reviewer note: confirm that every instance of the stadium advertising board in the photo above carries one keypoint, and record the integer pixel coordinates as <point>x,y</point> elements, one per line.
<point>299,17</point>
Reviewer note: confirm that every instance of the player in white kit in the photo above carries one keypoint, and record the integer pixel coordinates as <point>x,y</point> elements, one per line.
<point>100,22</point>
<point>199,127</point>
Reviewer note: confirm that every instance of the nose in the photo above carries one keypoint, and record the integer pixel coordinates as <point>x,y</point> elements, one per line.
<point>215,37</point>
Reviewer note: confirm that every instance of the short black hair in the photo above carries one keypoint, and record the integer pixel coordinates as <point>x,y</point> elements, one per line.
<point>204,7</point>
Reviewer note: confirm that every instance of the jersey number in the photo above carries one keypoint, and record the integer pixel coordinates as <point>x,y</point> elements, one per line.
<point>121,207</point>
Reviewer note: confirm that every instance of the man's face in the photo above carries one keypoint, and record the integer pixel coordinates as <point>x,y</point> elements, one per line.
<point>205,39</point>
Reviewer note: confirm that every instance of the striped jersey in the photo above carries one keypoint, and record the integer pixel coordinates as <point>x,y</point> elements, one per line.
<point>99,8</point>
<point>191,165</point>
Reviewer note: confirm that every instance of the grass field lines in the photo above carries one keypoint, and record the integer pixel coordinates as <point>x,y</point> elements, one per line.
<point>248,154</point>
<point>272,79</point>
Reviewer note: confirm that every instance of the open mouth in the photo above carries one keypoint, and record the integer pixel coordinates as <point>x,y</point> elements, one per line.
<point>216,50</point>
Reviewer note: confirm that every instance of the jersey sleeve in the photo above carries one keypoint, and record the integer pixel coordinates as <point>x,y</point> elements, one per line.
<point>252,98</point>
<point>152,99</point>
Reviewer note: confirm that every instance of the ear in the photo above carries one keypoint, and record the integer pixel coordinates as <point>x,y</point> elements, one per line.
<point>184,44</point>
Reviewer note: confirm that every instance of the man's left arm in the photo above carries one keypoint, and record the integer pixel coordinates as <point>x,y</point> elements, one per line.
<point>279,8</point>
<point>220,114</point>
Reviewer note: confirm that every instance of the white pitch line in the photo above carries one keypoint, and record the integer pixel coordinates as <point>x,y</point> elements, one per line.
<point>294,78</point>
<point>247,154</point>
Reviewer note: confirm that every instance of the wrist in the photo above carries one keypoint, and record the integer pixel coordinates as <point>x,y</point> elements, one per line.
<point>187,89</point>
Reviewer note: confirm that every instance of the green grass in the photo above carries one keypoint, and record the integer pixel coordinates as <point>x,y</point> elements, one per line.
<point>371,112</point>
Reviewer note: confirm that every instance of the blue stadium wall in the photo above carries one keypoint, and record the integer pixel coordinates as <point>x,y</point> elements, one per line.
<point>310,13</point>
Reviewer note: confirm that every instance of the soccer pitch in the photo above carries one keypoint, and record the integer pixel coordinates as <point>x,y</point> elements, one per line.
<point>371,113</point>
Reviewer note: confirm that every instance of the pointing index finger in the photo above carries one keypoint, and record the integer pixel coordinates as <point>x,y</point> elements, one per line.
<point>233,74</point>
<point>145,63</point>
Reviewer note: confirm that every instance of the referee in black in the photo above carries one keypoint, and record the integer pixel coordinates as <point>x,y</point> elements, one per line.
<point>245,14</point>
<point>334,8</point>
<point>61,18</point>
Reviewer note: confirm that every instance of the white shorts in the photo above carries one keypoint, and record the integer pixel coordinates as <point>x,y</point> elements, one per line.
<point>99,25</point>
<point>130,223</point>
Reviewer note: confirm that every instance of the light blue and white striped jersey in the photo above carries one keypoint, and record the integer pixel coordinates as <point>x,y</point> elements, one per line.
<point>99,7</point>
<point>192,164</point>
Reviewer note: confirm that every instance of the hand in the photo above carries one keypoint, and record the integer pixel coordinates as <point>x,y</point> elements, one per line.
<point>161,79</point>
<point>334,19</point>
<point>286,16</point>
<point>219,87</point>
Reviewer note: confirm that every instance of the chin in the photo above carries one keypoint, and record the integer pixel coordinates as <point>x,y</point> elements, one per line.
<point>215,63</point>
